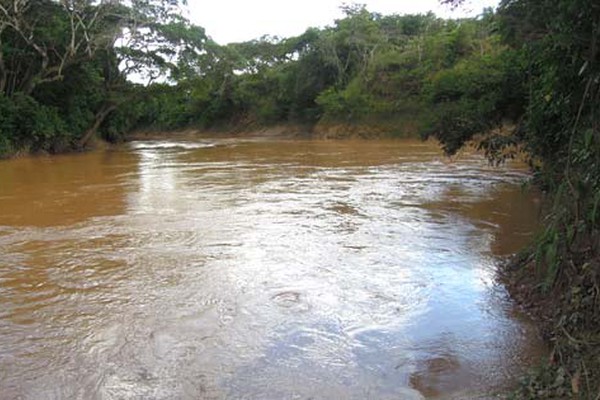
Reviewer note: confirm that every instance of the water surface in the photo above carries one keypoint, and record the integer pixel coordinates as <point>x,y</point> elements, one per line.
<point>260,269</point>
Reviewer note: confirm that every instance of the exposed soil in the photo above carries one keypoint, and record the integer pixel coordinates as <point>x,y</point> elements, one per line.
<point>322,130</point>
<point>568,316</point>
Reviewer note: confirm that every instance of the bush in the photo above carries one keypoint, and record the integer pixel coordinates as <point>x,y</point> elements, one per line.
<point>27,125</point>
<point>468,99</point>
<point>350,104</point>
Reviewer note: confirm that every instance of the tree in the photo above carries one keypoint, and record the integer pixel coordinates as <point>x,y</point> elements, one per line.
<point>44,44</point>
<point>554,45</point>
<point>40,39</point>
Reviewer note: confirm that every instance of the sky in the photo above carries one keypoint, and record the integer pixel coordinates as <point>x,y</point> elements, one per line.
<point>229,21</point>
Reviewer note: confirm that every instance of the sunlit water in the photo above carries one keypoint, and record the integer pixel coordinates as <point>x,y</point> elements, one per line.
<point>260,269</point>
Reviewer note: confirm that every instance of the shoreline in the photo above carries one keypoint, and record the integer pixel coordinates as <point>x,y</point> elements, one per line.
<point>567,319</point>
<point>322,130</point>
<point>515,275</point>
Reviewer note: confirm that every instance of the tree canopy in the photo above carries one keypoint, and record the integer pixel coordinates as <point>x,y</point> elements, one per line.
<point>64,64</point>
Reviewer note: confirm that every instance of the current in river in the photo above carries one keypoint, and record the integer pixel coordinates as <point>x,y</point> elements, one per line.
<point>261,269</point>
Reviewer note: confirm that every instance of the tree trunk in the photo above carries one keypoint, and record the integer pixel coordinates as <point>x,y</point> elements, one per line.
<point>3,79</point>
<point>91,132</point>
<point>3,74</point>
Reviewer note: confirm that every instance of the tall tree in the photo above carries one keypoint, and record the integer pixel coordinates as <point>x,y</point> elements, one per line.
<point>44,43</point>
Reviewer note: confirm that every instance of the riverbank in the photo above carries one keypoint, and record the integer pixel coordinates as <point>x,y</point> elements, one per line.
<point>334,130</point>
<point>276,131</point>
<point>568,317</point>
<point>405,126</point>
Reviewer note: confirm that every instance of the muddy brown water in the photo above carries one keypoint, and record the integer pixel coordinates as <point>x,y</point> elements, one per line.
<point>260,269</point>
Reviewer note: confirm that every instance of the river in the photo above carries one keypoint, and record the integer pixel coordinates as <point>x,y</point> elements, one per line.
<point>260,269</point>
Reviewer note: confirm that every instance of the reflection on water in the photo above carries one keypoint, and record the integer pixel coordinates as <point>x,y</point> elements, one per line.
<point>259,269</point>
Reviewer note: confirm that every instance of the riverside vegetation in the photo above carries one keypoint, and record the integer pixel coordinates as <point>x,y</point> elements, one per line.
<point>524,78</point>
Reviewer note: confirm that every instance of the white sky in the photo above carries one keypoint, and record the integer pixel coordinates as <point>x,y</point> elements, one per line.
<point>240,20</point>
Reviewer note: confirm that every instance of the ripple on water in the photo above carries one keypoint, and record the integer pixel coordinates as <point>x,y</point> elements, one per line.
<point>260,269</point>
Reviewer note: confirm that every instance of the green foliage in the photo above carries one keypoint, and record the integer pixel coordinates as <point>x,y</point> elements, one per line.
<point>26,124</point>
<point>62,74</point>
<point>365,67</point>
<point>350,104</point>
<point>561,123</point>
<point>555,46</point>
<point>468,99</point>
<point>548,83</point>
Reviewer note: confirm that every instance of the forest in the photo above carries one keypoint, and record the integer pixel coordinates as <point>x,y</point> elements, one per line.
<point>405,74</point>
<point>521,79</point>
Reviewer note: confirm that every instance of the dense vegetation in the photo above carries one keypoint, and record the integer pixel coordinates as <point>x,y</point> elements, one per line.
<point>63,66</point>
<point>555,89</point>
<point>523,78</point>
<point>63,77</point>
<point>366,69</point>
